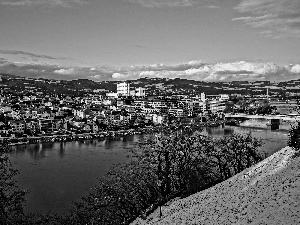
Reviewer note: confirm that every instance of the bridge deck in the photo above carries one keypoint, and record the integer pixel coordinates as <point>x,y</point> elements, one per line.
<point>268,117</point>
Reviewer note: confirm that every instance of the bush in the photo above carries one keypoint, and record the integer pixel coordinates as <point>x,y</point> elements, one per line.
<point>294,137</point>
<point>12,198</point>
<point>176,162</point>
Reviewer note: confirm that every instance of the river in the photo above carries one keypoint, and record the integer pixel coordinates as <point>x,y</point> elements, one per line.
<point>56,174</point>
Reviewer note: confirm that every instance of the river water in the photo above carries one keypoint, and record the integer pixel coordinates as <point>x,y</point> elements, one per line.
<point>56,174</point>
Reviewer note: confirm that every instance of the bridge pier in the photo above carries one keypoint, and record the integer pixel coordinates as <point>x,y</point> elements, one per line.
<point>273,124</point>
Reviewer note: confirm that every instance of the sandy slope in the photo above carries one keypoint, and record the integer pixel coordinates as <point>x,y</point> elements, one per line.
<point>267,193</point>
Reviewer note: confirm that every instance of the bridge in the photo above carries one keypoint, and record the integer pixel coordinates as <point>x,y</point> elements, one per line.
<point>291,117</point>
<point>273,121</point>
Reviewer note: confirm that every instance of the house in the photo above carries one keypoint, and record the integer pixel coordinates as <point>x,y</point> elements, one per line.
<point>47,125</point>
<point>17,126</point>
<point>177,112</point>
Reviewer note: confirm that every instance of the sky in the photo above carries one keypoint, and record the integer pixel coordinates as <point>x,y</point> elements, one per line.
<point>209,40</point>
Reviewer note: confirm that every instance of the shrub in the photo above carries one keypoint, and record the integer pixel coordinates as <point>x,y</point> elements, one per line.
<point>294,137</point>
<point>12,198</point>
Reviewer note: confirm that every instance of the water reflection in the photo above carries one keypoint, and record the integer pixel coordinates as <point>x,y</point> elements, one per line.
<point>66,170</point>
<point>228,131</point>
<point>62,152</point>
<point>273,140</point>
<point>34,151</point>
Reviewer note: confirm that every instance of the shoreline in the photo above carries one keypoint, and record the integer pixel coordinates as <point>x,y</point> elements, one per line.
<point>111,134</point>
<point>75,137</point>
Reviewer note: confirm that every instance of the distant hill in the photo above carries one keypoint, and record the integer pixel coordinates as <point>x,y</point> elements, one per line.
<point>154,86</point>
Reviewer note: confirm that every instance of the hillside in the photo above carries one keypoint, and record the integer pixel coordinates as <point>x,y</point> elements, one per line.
<point>154,86</point>
<point>267,193</point>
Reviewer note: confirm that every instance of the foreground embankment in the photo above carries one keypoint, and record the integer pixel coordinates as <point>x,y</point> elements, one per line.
<point>267,193</point>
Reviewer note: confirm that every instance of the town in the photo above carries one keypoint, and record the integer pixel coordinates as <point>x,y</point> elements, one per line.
<point>40,110</point>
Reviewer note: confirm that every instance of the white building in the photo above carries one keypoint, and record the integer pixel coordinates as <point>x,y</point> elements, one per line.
<point>140,92</point>
<point>123,89</point>
<point>158,119</point>
<point>112,95</point>
<point>176,112</point>
<point>203,97</point>
<point>217,106</point>
<point>224,97</point>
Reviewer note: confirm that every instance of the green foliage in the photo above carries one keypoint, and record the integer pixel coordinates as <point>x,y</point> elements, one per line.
<point>190,161</point>
<point>11,197</point>
<point>229,107</point>
<point>178,161</point>
<point>119,197</point>
<point>294,137</point>
<point>232,154</point>
<point>265,109</point>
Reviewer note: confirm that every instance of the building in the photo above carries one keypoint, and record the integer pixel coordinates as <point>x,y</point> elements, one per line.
<point>17,126</point>
<point>140,92</point>
<point>216,106</point>
<point>177,112</point>
<point>47,125</point>
<point>123,89</point>
<point>203,97</point>
<point>224,97</point>
<point>158,104</point>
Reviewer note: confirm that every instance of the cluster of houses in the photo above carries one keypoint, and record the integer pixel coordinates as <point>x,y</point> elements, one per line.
<point>127,108</point>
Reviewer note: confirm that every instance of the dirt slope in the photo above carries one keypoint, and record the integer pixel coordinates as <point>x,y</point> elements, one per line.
<point>267,193</point>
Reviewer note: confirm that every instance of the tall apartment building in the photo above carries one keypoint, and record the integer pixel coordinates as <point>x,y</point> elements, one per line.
<point>123,89</point>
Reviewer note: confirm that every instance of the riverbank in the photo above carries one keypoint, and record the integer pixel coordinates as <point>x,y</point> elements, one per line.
<point>76,137</point>
<point>86,136</point>
<point>267,193</point>
<point>119,133</point>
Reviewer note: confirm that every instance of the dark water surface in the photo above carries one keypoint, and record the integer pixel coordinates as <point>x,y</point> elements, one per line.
<point>58,173</point>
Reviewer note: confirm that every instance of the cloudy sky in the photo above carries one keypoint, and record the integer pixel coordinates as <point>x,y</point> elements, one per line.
<point>210,40</point>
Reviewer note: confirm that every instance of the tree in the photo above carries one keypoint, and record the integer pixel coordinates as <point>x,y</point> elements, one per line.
<point>175,156</point>
<point>294,137</point>
<point>122,195</point>
<point>232,154</point>
<point>12,198</point>
<point>185,159</point>
<point>229,107</point>
<point>177,161</point>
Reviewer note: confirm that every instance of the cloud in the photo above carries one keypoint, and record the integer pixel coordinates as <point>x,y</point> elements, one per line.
<point>65,71</point>
<point>213,7</point>
<point>242,66</point>
<point>138,46</point>
<point>227,71</point>
<point>294,68</point>
<point>193,70</point>
<point>14,52</point>
<point>120,76</point>
<point>273,18</point>
<point>51,3</point>
<point>165,3</point>
<point>3,60</point>
<point>176,67</point>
